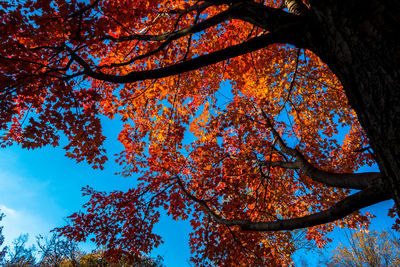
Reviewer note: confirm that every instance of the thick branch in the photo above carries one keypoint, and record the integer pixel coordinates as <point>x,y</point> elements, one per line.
<point>283,28</point>
<point>343,208</point>
<point>263,16</point>
<point>257,14</point>
<point>341,180</point>
<point>367,197</point>
<point>286,34</point>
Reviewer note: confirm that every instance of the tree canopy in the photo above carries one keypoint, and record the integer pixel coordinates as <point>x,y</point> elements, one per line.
<point>233,111</point>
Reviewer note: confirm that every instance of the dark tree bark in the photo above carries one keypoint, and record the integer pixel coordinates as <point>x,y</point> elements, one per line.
<point>357,40</point>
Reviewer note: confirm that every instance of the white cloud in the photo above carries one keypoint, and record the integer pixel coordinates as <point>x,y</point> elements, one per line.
<point>18,222</point>
<point>7,210</point>
<point>26,202</point>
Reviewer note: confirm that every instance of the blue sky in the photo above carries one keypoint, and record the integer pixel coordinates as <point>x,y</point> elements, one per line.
<point>40,188</point>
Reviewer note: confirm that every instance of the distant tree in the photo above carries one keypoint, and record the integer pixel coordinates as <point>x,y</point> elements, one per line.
<point>58,251</point>
<point>95,258</point>
<point>55,251</point>
<point>3,250</point>
<point>371,249</point>
<point>150,262</point>
<point>19,254</point>
<point>99,259</point>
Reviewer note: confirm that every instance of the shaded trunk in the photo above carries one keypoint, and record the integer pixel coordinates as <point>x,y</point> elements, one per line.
<point>357,40</point>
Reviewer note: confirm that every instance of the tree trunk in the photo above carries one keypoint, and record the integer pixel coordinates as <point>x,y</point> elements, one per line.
<point>357,40</point>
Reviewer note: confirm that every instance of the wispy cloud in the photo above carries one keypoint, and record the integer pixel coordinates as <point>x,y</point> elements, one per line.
<point>7,210</point>
<point>18,222</point>
<point>25,200</point>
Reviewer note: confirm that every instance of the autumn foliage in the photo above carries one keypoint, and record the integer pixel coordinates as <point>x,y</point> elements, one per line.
<point>370,248</point>
<point>225,125</point>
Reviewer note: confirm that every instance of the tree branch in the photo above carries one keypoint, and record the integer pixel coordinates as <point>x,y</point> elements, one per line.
<point>283,35</point>
<point>166,38</point>
<point>341,180</point>
<point>201,26</point>
<point>196,7</point>
<point>80,12</point>
<point>367,197</point>
<point>341,209</point>
<point>262,16</point>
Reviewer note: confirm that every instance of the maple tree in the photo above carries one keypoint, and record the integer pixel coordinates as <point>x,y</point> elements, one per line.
<point>242,164</point>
